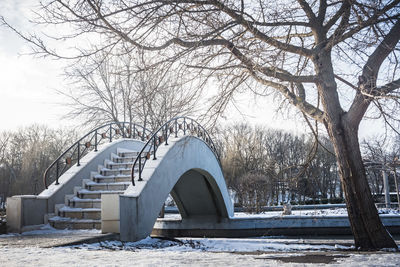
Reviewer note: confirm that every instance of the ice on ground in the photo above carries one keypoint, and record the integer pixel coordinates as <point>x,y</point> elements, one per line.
<point>191,252</point>
<point>211,245</point>
<point>246,245</point>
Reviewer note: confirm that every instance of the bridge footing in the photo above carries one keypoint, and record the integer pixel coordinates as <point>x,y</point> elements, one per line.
<point>274,226</point>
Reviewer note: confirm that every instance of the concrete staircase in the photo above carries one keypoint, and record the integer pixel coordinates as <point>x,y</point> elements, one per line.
<point>82,210</point>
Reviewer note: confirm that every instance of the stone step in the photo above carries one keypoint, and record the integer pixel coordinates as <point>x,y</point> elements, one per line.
<point>126,153</point>
<point>92,186</point>
<point>82,210</point>
<point>123,165</point>
<point>108,172</point>
<point>111,178</point>
<point>68,223</point>
<point>76,202</point>
<point>86,194</point>
<point>77,189</point>
<point>117,159</point>
<point>79,213</point>
<point>67,199</point>
<point>131,154</point>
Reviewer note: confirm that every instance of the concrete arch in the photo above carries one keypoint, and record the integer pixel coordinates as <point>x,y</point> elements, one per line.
<point>189,170</point>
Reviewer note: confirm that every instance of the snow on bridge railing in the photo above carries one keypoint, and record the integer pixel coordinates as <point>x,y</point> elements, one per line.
<point>175,126</point>
<point>90,141</point>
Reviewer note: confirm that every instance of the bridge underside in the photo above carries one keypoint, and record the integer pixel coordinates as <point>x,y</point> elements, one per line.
<point>195,197</point>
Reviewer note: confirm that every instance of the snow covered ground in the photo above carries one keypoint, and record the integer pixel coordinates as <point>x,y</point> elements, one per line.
<point>314,212</point>
<point>309,212</point>
<point>37,248</point>
<point>156,257</point>
<point>194,252</point>
<point>48,230</point>
<point>15,251</point>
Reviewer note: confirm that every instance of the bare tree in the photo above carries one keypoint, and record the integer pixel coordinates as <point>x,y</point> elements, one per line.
<point>311,53</point>
<point>382,153</point>
<point>252,157</point>
<point>244,153</point>
<point>255,191</point>
<point>26,154</point>
<point>375,152</point>
<point>126,87</point>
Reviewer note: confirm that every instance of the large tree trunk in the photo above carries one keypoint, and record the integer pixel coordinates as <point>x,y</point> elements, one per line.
<point>367,228</point>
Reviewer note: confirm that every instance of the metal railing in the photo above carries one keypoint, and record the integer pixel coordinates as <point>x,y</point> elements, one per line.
<point>90,141</point>
<point>175,127</point>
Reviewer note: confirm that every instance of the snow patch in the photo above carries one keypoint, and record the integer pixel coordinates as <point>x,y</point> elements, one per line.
<point>46,229</point>
<point>211,245</point>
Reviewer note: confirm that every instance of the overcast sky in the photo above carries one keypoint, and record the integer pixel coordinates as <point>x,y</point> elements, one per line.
<point>28,85</point>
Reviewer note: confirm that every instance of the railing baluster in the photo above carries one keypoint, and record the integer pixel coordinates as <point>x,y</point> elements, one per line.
<point>79,154</point>
<point>154,149</point>
<point>176,128</point>
<point>166,134</point>
<point>95,141</point>
<point>57,172</point>
<point>140,167</point>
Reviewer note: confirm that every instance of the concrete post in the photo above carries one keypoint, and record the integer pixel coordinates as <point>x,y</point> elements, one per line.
<point>23,212</point>
<point>110,213</point>
<point>386,188</point>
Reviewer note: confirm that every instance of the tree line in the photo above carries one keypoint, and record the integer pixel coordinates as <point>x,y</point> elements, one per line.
<point>262,166</point>
<point>26,153</point>
<point>269,167</point>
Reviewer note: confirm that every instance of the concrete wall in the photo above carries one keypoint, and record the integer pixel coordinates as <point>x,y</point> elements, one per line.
<point>31,210</point>
<point>24,211</point>
<point>253,226</point>
<point>190,171</point>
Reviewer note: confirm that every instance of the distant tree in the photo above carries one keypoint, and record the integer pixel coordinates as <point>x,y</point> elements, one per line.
<point>255,191</point>
<point>374,152</point>
<point>381,153</point>
<point>25,155</point>
<point>322,171</point>
<point>243,152</point>
<point>278,159</point>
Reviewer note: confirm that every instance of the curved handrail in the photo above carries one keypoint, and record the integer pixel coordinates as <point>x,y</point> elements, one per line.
<point>179,124</point>
<point>105,132</point>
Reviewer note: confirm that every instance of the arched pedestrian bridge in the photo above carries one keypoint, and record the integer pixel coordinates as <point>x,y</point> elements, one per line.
<point>122,184</point>
<point>117,177</point>
<point>190,171</point>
